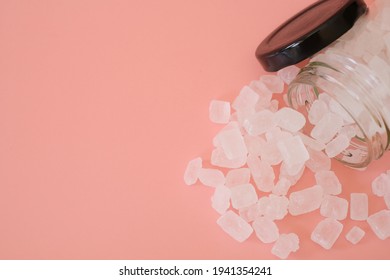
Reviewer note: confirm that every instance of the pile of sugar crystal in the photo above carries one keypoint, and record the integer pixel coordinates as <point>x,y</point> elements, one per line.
<point>258,138</point>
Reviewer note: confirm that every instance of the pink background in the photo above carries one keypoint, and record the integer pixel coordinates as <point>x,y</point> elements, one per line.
<point>103,103</point>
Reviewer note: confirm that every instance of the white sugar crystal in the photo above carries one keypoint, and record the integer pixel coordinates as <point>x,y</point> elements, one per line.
<point>273,106</point>
<point>250,213</point>
<point>243,196</point>
<point>219,111</point>
<point>328,181</point>
<point>327,232</point>
<point>254,144</point>
<point>334,207</point>
<point>235,226</point>
<point>290,119</point>
<point>220,200</point>
<point>265,229</point>
<point>273,134</point>
<point>349,131</point>
<point>285,244</point>
<point>265,95</point>
<point>232,143</point>
<point>218,158</point>
<point>337,145</point>
<point>387,200</point>
<point>211,177</point>
<point>265,181</point>
<point>288,73</point>
<point>254,164</point>
<point>293,170</point>
<point>192,171</point>
<point>306,200</point>
<point>359,206</point>
<point>336,108</point>
<point>277,207</point>
<point>381,185</point>
<point>318,161</point>
<point>311,143</point>
<point>270,153</point>
<point>273,83</point>
<point>293,150</point>
<point>232,125</point>
<point>355,235</point>
<point>260,122</point>
<point>327,127</point>
<point>380,224</point>
<point>281,187</point>
<point>292,178</point>
<point>246,100</point>
<point>237,177</point>
<point>317,110</point>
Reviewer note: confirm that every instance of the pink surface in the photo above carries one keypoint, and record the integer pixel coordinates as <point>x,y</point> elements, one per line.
<point>102,104</point>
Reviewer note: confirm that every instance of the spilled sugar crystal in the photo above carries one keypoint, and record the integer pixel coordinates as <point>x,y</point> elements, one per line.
<point>246,100</point>
<point>337,145</point>
<point>235,226</point>
<point>355,235</point>
<point>329,182</point>
<point>192,171</point>
<point>276,207</point>
<point>260,122</point>
<point>380,224</point>
<point>220,200</point>
<point>288,73</point>
<point>232,143</point>
<point>289,119</point>
<point>327,127</point>
<point>282,187</point>
<point>219,111</point>
<point>306,200</point>
<point>359,206</point>
<point>293,150</point>
<point>387,200</point>
<point>211,177</point>
<point>317,161</point>
<point>250,213</point>
<point>218,158</point>
<point>273,83</point>
<point>286,244</point>
<point>334,207</point>
<point>311,143</point>
<point>237,177</point>
<point>265,229</point>
<point>317,110</point>
<point>243,196</point>
<point>327,232</point>
<point>254,144</point>
<point>381,185</point>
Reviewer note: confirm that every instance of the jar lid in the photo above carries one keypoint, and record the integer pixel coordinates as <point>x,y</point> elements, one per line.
<point>308,32</point>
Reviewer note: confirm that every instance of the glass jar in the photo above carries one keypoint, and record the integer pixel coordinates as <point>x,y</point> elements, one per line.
<point>348,63</point>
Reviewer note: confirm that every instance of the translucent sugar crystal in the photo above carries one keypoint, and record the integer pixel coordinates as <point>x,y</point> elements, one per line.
<point>273,134</point>
<point>270,153</point>
<point>237,177</point>
<point>254,164</point>
<point>281,187</point>
<point>306,200</point>
<point>220,200</point>
<point>273,83</point>
<point>327,127</point>
<point>381,185</point>
<point>243,196</point>
<point>260,122</point>
<point>355,235</point>
<point>265,229</point>
<point>273,106</point>
<point>218,158</point>
<point>288,73</point>
<point>311,143</point>
<point>359,206</point>
<point>290,119</point>
<point>292,178</point>
<point>286,244</point>
<point>327,232</point>
<point>246,100</point>
<point>337,145</point>
<point>293,170</point>
<point>317,110</point>
<point>293,150</point>
<point>266,180</point>
<point>265,95</point>
<point>211,177</point>
<point>276,207</point>
<point>329,182</point>
<point>250,213</point>
<point>336,108</point>
<point>334,207</point>
<point>235,226</point>
<point>232,143</point>
<point>380,224</point>
<point>254,144</point>
<point>318,161</point>
<point>219,111</point>
<point>192,171</point>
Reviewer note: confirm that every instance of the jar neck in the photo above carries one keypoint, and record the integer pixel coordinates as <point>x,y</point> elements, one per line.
<point>358,91</point>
